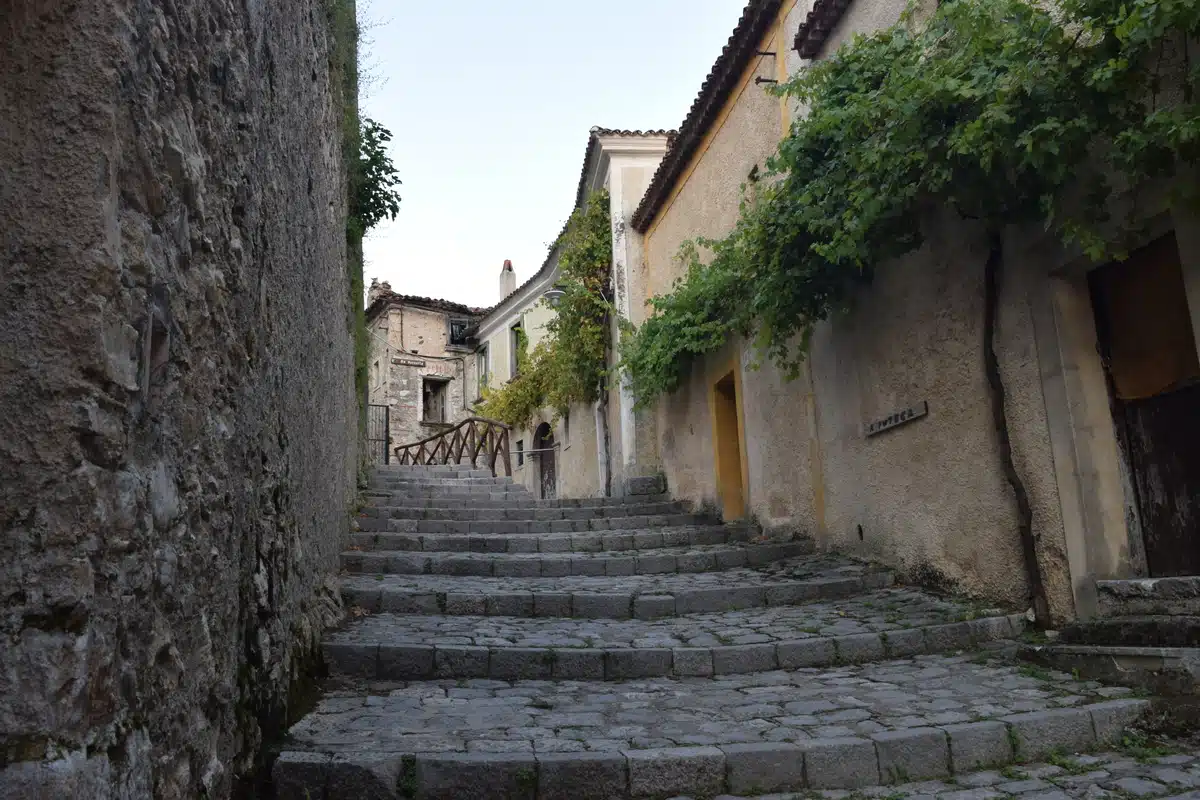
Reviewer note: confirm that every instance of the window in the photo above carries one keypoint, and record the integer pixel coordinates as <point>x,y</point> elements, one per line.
<point>458,332</point>
<point>515,337</point>
<point>520,452</point>
<point>566,426</point>
<point>482,367</point>
<point>434,392</point>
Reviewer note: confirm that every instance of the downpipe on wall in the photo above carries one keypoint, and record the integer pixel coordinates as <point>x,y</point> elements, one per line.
<point>992,274</point>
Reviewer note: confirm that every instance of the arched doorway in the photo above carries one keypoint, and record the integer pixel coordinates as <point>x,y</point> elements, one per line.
<point>543,442</point>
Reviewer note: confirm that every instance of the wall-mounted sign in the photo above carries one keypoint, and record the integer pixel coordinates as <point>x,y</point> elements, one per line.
<point>897,418</point>
<point>408,362</point>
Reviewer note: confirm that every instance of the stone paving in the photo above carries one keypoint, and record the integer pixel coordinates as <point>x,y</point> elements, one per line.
<point>583,542</point>
<point>1098,776</point>
<point>805,568</point>
<point>879,611</point>
<point>698,558</point>
<point>655,656</point>
<point>777,706</point>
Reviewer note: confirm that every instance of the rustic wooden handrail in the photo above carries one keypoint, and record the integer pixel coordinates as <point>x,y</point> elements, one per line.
<point>472,438</point>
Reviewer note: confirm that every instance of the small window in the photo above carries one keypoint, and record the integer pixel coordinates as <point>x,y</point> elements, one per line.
<point>458,332</point>
<point>566,427</point>
<point>483,369</point>
<point>433,399</point>
<point>520,452</point>
<point>517,342</point>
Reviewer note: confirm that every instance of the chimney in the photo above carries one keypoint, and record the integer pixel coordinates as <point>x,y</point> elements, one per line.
<point>378,290</point>
<point>508,280</point>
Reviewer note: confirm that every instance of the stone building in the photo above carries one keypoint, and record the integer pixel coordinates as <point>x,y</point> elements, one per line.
<point>422,367</point>
<point>885,446</point>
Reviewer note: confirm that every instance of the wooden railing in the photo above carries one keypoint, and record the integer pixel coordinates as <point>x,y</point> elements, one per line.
<point>469,440</point>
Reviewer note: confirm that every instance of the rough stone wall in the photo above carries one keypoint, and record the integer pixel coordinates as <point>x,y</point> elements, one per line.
<point>177,412</point>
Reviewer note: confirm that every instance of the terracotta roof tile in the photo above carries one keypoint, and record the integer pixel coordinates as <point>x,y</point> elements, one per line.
<point>721,81</point>
<point>817,26</point>
<point>597,132</point>
<point>428,302</point>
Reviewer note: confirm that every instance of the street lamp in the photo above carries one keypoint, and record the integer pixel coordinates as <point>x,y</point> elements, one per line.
<point>553,295</point>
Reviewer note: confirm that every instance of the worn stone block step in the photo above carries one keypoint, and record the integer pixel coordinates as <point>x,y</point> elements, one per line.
<point>1149,596</point>
<point>438,471</point>
<point>397,652</point>
<point>436,483</point>
<point>556,565</point>
<point>590,597</point>
<point>1167,671</point>
<point>590,542</point>
<point>499,491</point>
<point>385,498</point>
<point>495,526</point>
<point>799,730</point>
<point>388,509</point>
<point>1134,631</point>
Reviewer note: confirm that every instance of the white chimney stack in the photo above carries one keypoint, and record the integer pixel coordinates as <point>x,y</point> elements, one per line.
<point>508,280</point>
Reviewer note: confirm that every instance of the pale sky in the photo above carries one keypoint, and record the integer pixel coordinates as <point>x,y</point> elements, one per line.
<point>490,105</point>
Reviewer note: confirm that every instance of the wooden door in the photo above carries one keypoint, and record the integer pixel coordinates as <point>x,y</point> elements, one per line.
<point>1149,350</point>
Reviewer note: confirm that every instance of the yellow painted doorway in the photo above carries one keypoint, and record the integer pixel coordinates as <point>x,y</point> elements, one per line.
<point>727,447</point>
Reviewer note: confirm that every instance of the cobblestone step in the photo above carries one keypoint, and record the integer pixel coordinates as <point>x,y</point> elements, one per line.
<point>489,492</point>
<point>493,526</point>
<point>438,483</point>
<point>525,513</point>
<point>440,470</point>
<point>371,522</point>
<point>1079,777</point>
<point>786,582</point>
<point>384,498</point>
<point>896,721</point>
<point>702,558</point>
<point>855,630</point>
<point>591,542</point>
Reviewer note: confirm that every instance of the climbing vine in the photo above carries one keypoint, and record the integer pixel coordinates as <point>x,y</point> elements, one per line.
<point>569,365</point>
<point>1002,111</point>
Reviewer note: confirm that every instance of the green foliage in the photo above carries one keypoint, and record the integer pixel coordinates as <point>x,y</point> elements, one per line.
<point>570,364</point>
<point>373,183</point>
<point>524,396</point>
<point>1002,111</point>
<point>579,331</point>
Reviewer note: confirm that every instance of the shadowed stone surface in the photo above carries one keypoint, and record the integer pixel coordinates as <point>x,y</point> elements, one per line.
<point>178,418</point>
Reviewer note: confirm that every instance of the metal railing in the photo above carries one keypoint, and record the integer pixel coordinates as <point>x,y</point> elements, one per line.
<point>468,441</point>
<point>378,429</point>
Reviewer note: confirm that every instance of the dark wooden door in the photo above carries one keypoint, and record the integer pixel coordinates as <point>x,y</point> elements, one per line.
<point>1163,441</point>
<point>1149,348</point>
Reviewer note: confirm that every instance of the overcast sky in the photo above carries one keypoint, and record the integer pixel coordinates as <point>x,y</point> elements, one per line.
<point>490,105</point>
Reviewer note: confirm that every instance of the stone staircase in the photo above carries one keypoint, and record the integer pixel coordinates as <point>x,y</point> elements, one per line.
<point>503,647</point>
<point>1146,635</point>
